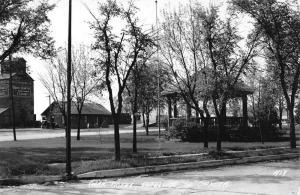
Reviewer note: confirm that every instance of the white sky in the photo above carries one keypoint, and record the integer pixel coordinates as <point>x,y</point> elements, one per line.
<point>81,33</point>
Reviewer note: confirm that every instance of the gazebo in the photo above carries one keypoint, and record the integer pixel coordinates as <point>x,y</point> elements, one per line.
<point>241,90</point>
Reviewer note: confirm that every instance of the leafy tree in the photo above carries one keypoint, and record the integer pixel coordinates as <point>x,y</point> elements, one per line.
<point>264,109</point>
<point>228,61</point>
<point>119,52</point>
<point>25,28</point>
<point>279,24</point>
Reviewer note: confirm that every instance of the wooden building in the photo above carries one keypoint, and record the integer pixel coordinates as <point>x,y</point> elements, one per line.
<point>93,115</point>
<point>22,92</point>
<point>241,91</point>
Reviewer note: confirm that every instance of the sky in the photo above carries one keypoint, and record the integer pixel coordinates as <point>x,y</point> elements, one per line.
<point>82,34</point>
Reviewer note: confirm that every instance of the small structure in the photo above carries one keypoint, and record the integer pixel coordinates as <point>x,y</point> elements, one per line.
<point>93,115</point>
<point>22,92</point>
<point>241,91</point>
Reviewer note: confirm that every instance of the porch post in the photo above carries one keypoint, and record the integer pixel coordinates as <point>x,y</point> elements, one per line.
<point>245,112</point>
<point>169,101</point>
<point>175,108</point>
<point>169,107</point>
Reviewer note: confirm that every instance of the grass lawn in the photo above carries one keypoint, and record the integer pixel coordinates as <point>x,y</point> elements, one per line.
<point>91,153</point>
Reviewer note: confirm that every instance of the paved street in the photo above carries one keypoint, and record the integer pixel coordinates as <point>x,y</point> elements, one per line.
<point>38,133</point>
<point>282,178</point>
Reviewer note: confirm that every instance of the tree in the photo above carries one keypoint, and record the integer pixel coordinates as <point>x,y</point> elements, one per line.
<point>228,61</point>
<point>264,109</point>
<point>119,53</point>
<point>184,54</point>
<point>149,83</point>
<point>279,24</point>
<point>85,83</point>
<point>25,28</point>
<point>55,81</point>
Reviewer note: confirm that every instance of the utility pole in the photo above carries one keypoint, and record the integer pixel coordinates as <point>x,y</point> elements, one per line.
<point>158,73</point>
<point>12,99</point>
<point>68,126</point>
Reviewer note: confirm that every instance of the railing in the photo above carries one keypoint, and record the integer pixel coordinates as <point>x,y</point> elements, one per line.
<point>229,121</point>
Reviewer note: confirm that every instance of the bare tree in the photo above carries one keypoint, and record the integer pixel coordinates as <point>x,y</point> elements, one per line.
<point>84,82</point>
<point>119,53</point>
<point>55,81</point>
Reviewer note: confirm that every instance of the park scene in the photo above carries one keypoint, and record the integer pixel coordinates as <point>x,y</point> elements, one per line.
<point>149,97</point>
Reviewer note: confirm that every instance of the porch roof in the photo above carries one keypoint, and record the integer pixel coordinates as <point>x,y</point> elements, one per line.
<point>240,89</point>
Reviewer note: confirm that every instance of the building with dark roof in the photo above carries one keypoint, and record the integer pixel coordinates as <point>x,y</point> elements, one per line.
<point>240,90</point>
<point>92,115</point>
<point>22,92</point>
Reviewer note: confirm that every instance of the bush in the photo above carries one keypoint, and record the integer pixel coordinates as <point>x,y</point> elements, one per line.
<point>186,131</point>
<point>268,133</point>
<point>192,132</point>
<point>176,130</point>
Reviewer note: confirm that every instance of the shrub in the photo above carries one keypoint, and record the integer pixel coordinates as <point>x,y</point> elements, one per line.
<point>267,132</point>
<point>191,132</point>
<point>176,130</point>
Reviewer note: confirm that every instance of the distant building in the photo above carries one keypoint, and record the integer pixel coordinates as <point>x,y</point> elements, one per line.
<point>23,94</point>
<point>93,115</point>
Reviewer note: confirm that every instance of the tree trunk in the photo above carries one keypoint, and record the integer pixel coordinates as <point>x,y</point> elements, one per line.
<point>292,127</point>
<point>280,112</point>
<point>143,115</point>
<point>205,132</point>
<point>206,121</point>
<point>116,118</point>
<point>147,123</point>
<point>134,147</point>
<point>221,120</point>
<point>78,125</point>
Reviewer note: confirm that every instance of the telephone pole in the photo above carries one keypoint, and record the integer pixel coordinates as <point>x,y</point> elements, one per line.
<point>158,74</point>
<point>12,107</point>
<point>68,124</point>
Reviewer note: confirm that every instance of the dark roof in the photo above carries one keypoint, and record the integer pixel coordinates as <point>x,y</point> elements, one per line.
<point>89,108</point>
<point>239,89</point>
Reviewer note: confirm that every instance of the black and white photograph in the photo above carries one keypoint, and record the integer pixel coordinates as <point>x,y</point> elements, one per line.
<point>149,97</point>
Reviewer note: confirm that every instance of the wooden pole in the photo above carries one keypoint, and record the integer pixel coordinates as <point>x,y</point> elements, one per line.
<point>12,99</point>
<point>68,127</point>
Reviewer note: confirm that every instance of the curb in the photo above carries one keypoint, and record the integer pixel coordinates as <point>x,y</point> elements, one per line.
<point>29,179</point>
<point>182,166</point>
<point>147,169</point>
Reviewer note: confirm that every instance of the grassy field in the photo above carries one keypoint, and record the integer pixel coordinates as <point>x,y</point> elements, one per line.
<point>92,152</point>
